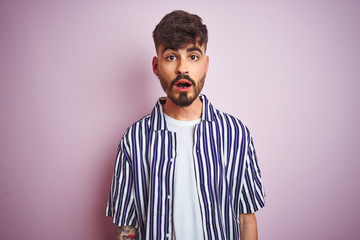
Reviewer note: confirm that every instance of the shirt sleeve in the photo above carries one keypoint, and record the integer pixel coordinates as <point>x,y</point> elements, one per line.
<point>121,206</point>
<point>252,191</point>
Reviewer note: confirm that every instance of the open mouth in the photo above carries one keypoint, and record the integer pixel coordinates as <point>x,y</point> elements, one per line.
<point>183,84</point>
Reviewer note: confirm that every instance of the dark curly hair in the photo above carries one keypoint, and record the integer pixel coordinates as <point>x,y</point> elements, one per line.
<point>179,28</point>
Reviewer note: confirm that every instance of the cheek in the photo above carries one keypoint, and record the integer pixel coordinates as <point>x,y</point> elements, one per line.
<point>165,76</point>
<point>166,68</point>
<point>199,72</point>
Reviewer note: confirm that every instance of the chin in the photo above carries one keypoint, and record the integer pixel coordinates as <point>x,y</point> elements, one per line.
<point>183,99</point>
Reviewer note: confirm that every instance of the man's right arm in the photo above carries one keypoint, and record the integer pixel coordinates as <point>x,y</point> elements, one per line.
<point>126,233</point>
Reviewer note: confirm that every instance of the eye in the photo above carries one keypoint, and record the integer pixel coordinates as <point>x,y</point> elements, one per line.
<point>171,58</point>
<point>194,57</point>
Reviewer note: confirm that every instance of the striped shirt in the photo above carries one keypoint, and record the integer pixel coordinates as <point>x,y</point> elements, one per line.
<point>228,179</point>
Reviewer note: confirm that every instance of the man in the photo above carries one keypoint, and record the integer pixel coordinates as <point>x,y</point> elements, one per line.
<point>187,170</point>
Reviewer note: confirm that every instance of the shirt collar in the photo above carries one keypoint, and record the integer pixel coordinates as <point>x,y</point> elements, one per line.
<point>157,118</point>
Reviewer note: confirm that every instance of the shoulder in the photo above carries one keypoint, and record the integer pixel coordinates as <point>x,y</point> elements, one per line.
<point>138,126</point>
<point>218,116</point>
<point>134,134</point>
<point>227,120</point>
<point>230,127</point>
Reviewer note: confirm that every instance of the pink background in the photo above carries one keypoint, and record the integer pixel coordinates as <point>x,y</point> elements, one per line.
<point>75,74</point>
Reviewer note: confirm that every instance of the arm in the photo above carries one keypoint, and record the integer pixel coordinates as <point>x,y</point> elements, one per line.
<point>126,233</point>
<point>248,226</point>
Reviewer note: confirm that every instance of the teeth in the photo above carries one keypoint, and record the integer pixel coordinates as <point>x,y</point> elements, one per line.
<point>183,85</point>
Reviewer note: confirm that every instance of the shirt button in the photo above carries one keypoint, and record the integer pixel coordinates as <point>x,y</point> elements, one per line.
<point>171,160</point>
<point>168,235</point>
<point>169,196</point>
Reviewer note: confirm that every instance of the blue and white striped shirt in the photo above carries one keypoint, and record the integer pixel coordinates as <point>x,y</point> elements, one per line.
<point>227,175</point>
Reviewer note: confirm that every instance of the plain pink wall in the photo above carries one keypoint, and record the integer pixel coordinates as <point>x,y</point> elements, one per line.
<point>75,74</point>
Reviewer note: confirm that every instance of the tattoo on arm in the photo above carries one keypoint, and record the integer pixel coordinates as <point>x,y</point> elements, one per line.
<point>126,233</point>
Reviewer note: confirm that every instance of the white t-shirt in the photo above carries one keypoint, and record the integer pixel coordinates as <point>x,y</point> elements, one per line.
<point>186,211</point>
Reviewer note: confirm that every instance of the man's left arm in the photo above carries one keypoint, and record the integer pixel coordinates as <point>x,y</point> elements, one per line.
<point>248,226</point>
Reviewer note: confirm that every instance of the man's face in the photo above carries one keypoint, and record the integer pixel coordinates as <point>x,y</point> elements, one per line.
<point>181,72</point>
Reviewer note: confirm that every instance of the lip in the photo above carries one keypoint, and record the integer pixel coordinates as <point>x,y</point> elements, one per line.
<point>182,89</point>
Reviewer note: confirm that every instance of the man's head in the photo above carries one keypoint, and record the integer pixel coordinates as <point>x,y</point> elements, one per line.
<point>179,28</point>
<point>181,64</point>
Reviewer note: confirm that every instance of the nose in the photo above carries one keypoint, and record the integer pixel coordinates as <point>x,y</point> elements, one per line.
<point>182,67</point>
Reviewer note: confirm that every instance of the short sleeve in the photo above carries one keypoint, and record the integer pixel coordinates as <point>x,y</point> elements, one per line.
<point>252,191</point>
<point>121,204</point>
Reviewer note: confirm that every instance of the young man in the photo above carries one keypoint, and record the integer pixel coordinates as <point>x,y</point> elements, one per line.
<point>187,170</point>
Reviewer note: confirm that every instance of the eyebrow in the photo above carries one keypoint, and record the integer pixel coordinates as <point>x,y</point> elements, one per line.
<point>168,48</point>
<point>191,49</point>
<point>194,49</point>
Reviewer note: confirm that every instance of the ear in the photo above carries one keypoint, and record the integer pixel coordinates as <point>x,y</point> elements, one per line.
<point>206,64</point>
<point>155,66</point>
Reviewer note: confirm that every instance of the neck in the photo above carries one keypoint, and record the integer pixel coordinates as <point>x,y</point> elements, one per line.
<point>187,113</point>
